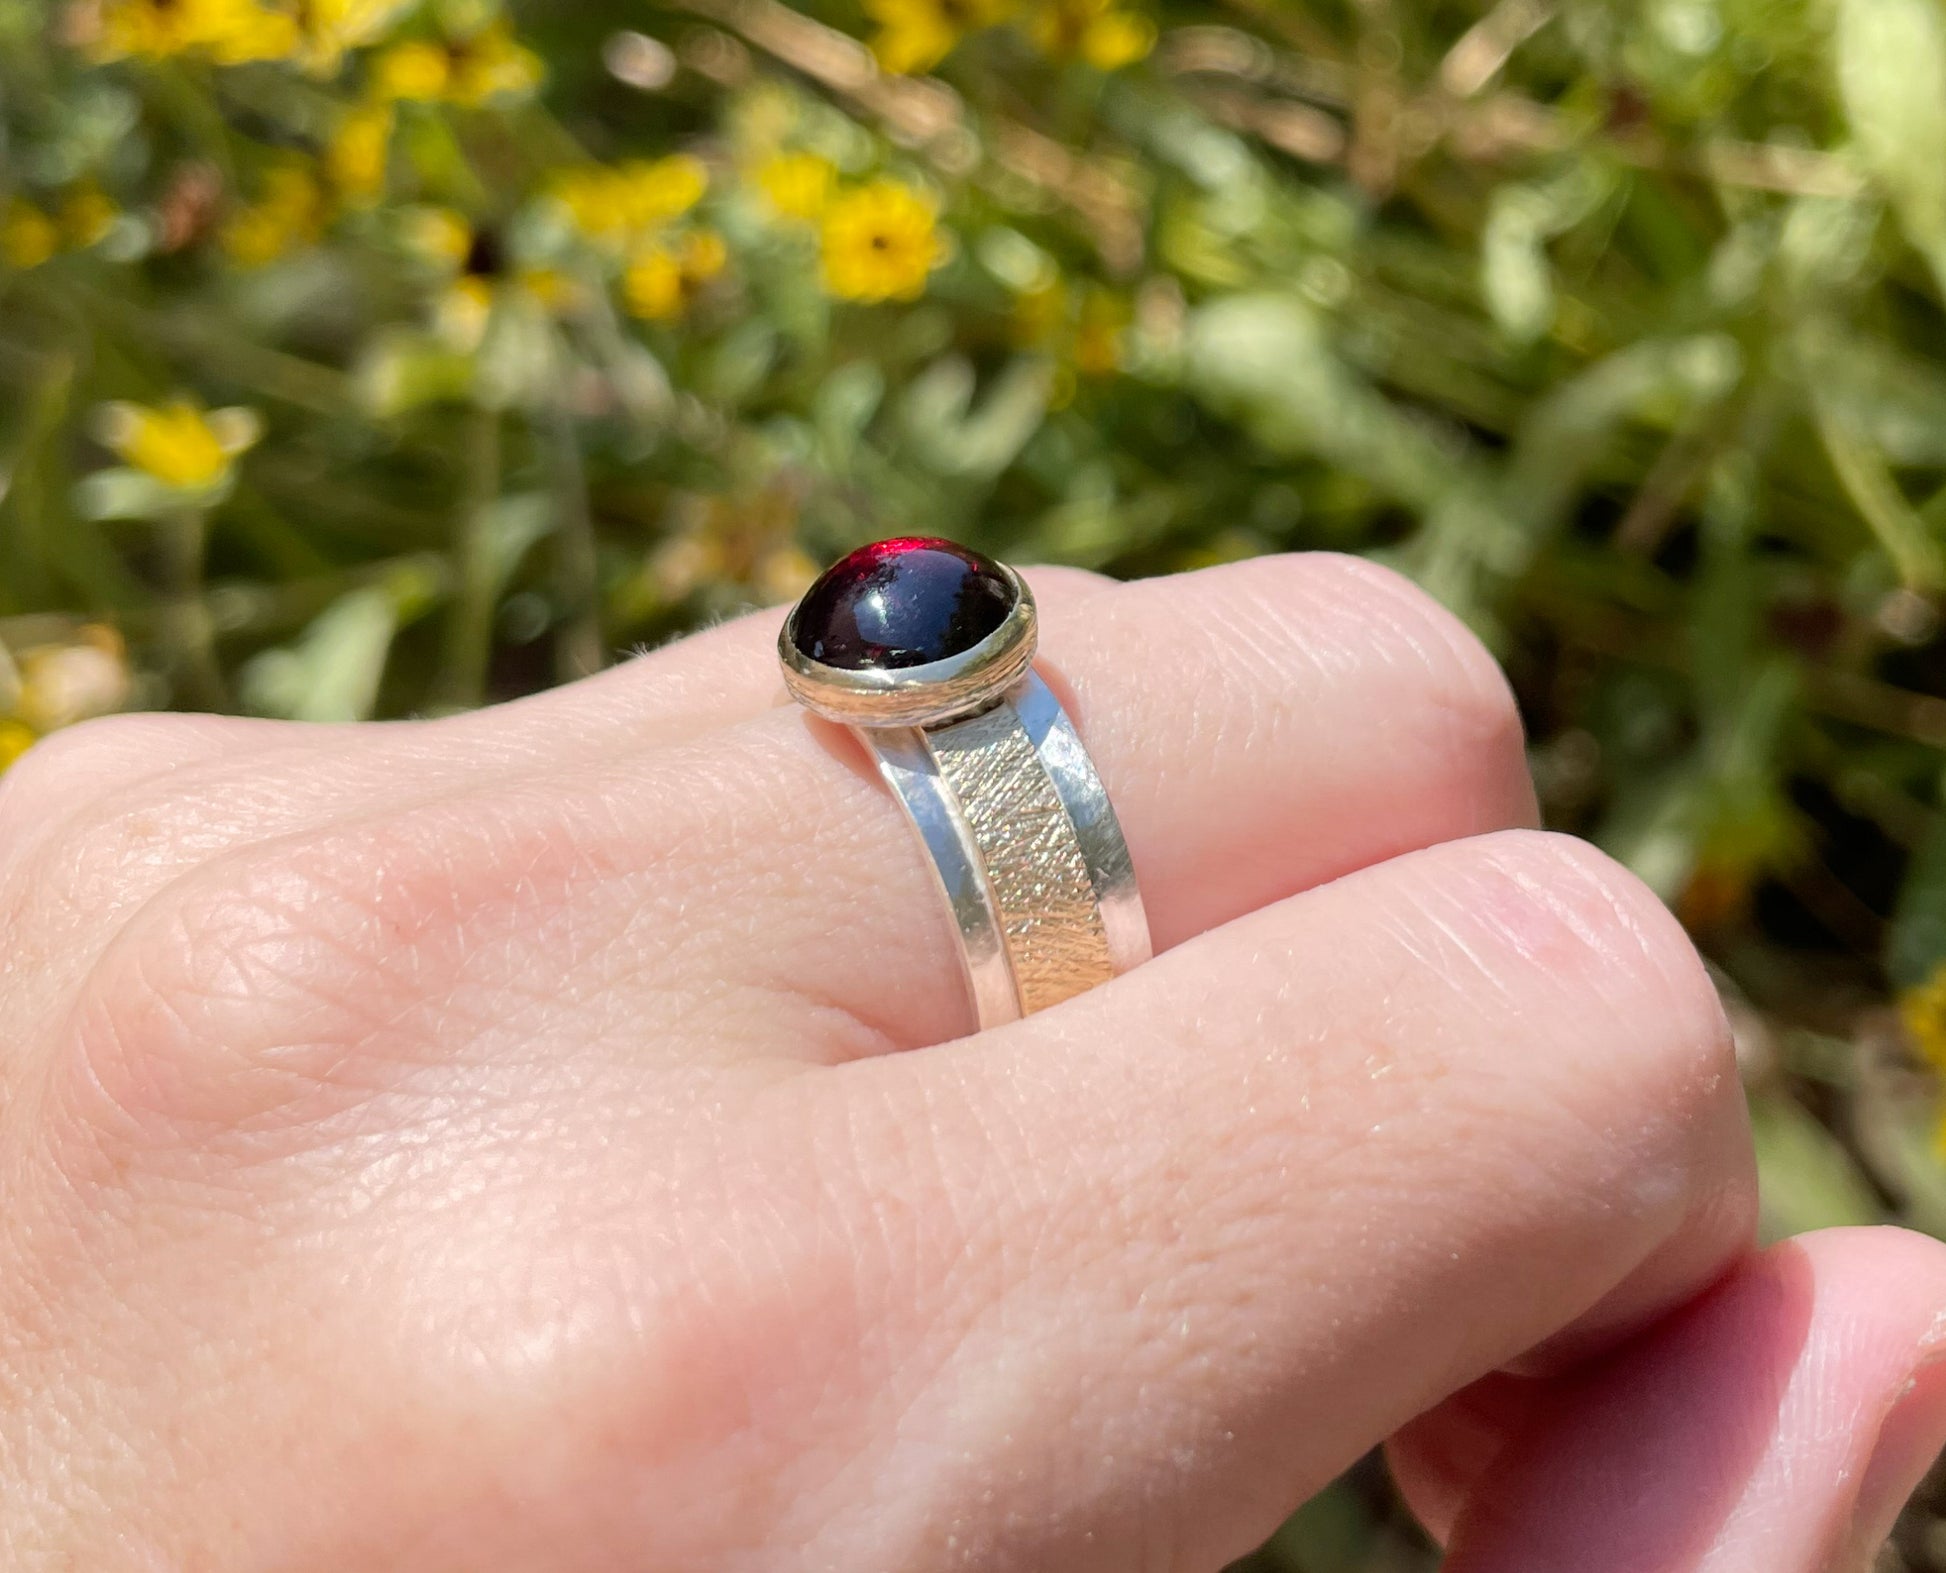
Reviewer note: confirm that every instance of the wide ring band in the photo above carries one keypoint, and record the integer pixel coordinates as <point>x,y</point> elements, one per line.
<point>925,649</point>
<point>1027,848</point>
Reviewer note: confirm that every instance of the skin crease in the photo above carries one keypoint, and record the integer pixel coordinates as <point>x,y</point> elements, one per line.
<point>549,1140</point>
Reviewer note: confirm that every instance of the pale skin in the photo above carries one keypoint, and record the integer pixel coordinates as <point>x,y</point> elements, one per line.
<point>554,1140</point>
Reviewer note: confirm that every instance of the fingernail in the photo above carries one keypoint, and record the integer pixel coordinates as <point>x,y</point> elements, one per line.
<point>1909,1443</point>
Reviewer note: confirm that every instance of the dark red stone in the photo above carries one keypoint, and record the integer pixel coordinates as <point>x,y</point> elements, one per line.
<point>902,602</point>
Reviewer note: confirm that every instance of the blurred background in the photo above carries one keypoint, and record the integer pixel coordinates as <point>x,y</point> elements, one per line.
<point>373,358</point>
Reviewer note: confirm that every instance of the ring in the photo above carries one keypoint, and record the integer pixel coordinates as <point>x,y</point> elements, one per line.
<point>925,649</point>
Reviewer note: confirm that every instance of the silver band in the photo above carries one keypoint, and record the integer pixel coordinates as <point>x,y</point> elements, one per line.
<point>926,650</point>
<point>1026,846</point>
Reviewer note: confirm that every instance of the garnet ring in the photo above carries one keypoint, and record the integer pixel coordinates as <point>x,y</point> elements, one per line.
<point>926,650</point>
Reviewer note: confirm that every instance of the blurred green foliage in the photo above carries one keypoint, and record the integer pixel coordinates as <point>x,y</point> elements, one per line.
<point>370,358</point>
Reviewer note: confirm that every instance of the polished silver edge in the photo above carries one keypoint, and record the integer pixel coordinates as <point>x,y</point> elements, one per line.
<point>913,775</point>
<point>1104,849</point>
<point>929,695</point>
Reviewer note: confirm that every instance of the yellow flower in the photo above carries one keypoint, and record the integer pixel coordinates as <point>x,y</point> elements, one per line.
<point>414,69</point>
<point>463,311</point>
<point>1098,335</point>
<point>654,192</point>
<point>291,214</point>
<point>87,215</point>
<point>915,35</point>
<point>28,237</point>
<point>488,64</point>
<point>441,235</point>
<point>552,289</point>
<point>797,185</point>
<point>1097,31</point>
<point>1087,340</point>
<point>611,205</point>
<point>15,739</point>
<point>231,32</point>
<point>179,444</point>
<point>476,268</point>
<point>1923,1010</point>
<point>1040,314</point>
<point>333,28</point>
<point>491,64</point>
<point>663,281</point>
<point>652,286</point>
<point>880,242</point>
<point>359,152</point>
<point>588,197</point>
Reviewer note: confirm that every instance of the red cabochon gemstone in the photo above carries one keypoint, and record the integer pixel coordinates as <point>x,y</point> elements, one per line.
<point>902,602</point>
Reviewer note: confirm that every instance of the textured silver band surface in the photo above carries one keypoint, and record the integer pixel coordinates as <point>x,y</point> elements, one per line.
<point>1024,840</point>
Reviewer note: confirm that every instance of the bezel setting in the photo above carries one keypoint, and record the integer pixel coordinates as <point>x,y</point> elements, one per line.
<point>951,689</point>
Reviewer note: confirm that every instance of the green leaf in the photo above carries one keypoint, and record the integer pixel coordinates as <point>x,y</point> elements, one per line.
<point>1915,945</point>
<point>953,436</point>
<point>844,404</point>
<point>735,368</point>
<point>511,526</point>
<point>1268,360</point>
<point>1515,274</point>
<point>333,671</point>
<point>405,370</point>
<point>1332,1533</point>
<point>121,493</point>
<point>1892,400</point>
<point>1892,79</point>
<point>1805,1178</point>
<point>1873,491</point>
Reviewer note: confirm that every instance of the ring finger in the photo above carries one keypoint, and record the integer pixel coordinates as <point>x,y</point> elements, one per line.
<point>1263,727</point>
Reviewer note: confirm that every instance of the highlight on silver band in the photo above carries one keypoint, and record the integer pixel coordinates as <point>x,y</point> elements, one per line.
<point>1103,848</point>
<point>1027,849</point>
<point>908,768</point>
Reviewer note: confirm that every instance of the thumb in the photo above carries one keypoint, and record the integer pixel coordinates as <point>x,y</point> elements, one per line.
<point>1777,1424</point>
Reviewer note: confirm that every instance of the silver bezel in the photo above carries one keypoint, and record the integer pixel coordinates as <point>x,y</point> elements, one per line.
<point>959,686</point>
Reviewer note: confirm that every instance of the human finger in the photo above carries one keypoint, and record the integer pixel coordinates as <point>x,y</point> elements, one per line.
<point>1200,1238</point>
<point>1776,1425</point>
<point>1262,728</point>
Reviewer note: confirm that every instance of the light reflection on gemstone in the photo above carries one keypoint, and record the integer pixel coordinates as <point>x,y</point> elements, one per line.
<point>904,602</point>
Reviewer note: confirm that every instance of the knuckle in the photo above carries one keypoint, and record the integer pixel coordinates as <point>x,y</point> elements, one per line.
<point>1628,1107</point>
<point>286,983</point>
<point>82,793</point>
<point>80,762</point>
<point>189,1022</point>
<point>1445,661</point>
<point>1653,1054</point>
<point>1331,616</point>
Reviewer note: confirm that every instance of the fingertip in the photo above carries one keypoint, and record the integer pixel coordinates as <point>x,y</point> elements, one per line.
<point>1886,1292</point>
<point>1778,1422</point>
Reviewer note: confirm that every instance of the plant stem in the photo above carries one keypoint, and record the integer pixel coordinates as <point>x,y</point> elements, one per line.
<point>578,648</point>
<point>32,544</point>
<point>188,631</point>
<point>469,630</point>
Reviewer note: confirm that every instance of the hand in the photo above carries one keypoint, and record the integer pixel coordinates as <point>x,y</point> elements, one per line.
<point>544,1140</point>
